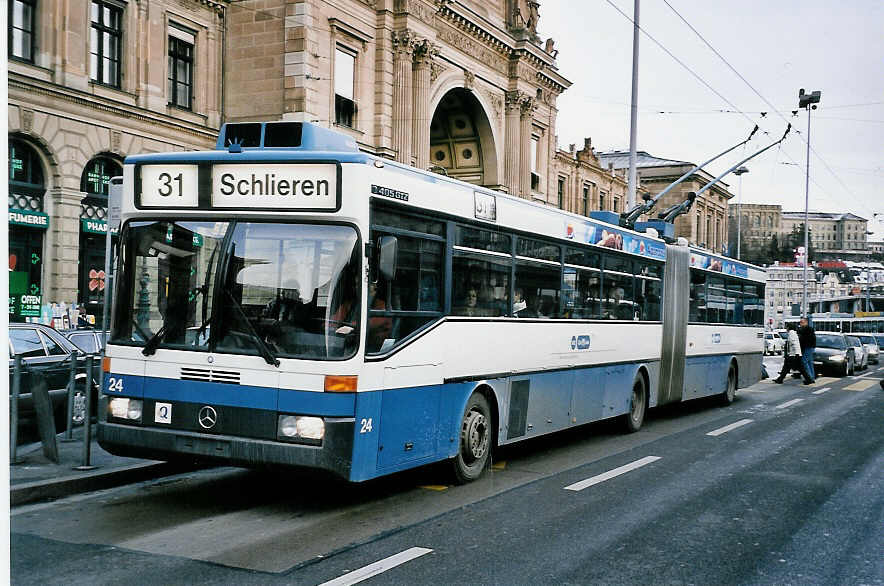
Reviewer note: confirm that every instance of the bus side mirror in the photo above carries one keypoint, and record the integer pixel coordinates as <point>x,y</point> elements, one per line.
<point>388,251</point>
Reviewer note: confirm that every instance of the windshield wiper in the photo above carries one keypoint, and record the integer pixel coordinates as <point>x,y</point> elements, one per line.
<point>150,347</point>
<point>266,352</point>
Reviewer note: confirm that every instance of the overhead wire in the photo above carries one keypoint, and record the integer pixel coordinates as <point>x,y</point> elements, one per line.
<point>766,101</point>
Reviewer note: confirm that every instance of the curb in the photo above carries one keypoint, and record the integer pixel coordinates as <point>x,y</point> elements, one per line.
<point>41,490</point>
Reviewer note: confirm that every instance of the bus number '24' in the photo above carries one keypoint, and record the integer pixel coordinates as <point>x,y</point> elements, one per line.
<point>366,426</point>
<point>166,188</point>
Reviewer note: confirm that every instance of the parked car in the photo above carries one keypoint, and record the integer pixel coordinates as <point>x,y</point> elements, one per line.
<point>773,343</point>
<point>859,351</point>
<point>89,340</point>
<point>871,345</point>
<point>833,353</point>
<point>45,350</point>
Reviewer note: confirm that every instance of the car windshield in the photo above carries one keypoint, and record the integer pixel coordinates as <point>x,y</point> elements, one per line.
<point>854,341</point>
<point>271,289</point>
<point>867,339</point>
<point>880,340</point>
<point>830,341</point>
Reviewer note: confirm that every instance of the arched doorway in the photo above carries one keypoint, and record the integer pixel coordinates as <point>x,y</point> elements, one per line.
<point>461,140</point>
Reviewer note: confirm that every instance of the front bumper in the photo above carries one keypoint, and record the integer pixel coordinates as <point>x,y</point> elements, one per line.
<point>334,455</point>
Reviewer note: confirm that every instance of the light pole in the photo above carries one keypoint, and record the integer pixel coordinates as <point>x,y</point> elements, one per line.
<point>809,102</point>
<point>739,173</point>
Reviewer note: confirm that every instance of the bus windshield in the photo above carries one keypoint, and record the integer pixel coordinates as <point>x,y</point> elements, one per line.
<point>269,289</point>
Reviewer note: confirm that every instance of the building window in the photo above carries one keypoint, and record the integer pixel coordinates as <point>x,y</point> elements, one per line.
<point>616,204</point>
<point>107,30</point>
<point>535,177</point>
<point>21,29</point>
<point>585,211</point>
<point>602,195</point>
<point>345,106</point>
<point>97,175</point>
<point>560,193</point>
<point>180,87</point>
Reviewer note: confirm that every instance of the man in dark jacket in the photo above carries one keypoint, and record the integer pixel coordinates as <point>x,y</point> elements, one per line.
<point>807,337</point>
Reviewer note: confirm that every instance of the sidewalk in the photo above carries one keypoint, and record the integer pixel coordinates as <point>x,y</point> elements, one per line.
<point>36,478</point>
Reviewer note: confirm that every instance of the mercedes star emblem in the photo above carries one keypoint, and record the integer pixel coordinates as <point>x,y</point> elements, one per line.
<point>207,417</point>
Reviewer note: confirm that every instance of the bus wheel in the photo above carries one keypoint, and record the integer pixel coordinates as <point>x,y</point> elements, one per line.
<point>727,397</point>
<point>475,441</point>
<point>638,405</point>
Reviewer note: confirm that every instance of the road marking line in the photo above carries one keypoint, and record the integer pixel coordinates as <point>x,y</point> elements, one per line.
<point>436,487</point>
<point>789,403</point>
<point>728,428</point>
<point>861,385</point>
<point>577,486</point>
<point>378,567</point>
<point>824,380</point>
<point>821,391</point>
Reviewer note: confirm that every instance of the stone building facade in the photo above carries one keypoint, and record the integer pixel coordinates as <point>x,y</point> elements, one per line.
<point>582,184</point>
<point>91,82</point>
<point>463,87</point>
<point>706,223</point>
<point>466,88</point>
<point>758,223</point>
<point>836,232</point>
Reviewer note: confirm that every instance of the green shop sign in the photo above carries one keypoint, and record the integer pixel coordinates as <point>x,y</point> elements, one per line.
<point>25,305</point>
<point>95,227</point>
<point>29,218</point>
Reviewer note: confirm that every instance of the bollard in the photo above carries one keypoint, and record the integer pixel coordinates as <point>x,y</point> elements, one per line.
<point>69,431</point>
<point>45,416</point>
<point>13,410</point>
<point>87,421</point>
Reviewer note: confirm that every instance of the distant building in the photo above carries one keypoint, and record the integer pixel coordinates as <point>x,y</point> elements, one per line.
<point>758,223</point>
<point>831,232</point>
<point>784,290</point>
<point>706,224</point>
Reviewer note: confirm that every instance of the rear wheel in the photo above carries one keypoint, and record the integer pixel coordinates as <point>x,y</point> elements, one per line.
<point>638,405</point>
<point>730,390</point>
<point>475,441</point>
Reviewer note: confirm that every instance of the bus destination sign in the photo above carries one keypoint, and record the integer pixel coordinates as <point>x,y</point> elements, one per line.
<point>309,186</point>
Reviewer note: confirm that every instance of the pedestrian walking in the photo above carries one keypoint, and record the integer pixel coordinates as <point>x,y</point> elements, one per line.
<point>807,339</point>
<point>792,358</point>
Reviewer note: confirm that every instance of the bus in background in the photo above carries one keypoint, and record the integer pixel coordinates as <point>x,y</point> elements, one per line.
<point>845,323</point>
<point>289,300</point>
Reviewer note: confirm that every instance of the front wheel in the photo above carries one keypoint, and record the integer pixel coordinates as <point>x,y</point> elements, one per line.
<point>638,405</point>
<point>475,441</point>
<point>730,391</point>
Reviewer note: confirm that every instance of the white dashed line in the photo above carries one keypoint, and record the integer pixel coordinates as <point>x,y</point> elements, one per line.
<point>789,403</point>
<point>577,486</point>
<point>822,390</point>
<point>728,428</point>
<point>378,567</point>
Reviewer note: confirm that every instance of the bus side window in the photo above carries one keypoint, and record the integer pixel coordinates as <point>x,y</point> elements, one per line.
<point>697,312</point>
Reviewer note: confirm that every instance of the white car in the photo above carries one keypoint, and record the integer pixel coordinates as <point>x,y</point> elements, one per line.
<point>859,352</point>
<point>871,346</point>
<point>773,343</point>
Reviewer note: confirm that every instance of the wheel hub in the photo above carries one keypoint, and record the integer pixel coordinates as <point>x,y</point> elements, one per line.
<point>474,435</point>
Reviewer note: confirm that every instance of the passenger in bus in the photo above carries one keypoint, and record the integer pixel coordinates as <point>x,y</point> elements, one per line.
<point>520,306</point>
<point>470,306</point>
<point>616,306</point>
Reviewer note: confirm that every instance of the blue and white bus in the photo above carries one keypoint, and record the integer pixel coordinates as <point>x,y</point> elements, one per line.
<point>289,300</point>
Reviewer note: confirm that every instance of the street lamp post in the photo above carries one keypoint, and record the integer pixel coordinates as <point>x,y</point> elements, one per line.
<point>739,173</point>
<point>809,102</point>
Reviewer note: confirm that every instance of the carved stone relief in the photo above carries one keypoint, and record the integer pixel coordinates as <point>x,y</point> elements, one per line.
<point>473,49</point>
<point>27,119</point>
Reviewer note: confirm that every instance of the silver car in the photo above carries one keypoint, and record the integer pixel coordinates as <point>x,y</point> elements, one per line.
<point>871,345</point>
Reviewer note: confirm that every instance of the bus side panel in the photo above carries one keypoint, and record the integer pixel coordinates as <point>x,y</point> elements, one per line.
<point>366,434</point>
<point>748,369</point>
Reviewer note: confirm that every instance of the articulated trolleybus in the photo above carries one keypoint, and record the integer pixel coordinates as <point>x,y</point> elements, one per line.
<point>289,300</point>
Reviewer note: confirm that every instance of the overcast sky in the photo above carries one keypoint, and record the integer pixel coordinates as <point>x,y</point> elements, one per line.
<point>778,46</point>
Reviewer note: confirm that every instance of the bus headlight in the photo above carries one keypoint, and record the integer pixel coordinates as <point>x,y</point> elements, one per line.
<point>301,427</point>
<point>125,408</point>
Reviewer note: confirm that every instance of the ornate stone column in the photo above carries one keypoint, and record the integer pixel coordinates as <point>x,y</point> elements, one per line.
<point>424,54</point>
<point>513,153</point>
<point>403,47</point>
<point>526,116</point>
